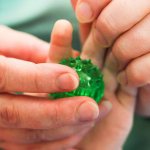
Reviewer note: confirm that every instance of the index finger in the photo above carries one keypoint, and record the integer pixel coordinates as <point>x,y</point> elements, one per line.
<point>40,113</point>
<point>24,76</point>
<point>22,45</point>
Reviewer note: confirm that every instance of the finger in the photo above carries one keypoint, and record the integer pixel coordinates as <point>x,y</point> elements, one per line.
<point>92,50</point>
<point>30,77</point>
<point>131,45</point>
<point>83,14</point>
<point>21,112</point>
<point>75,53</point>
<point>24,136</point>
<point>116,19</point>
<point>143,102</point>
<point>22,46</point>
<point>61,41</point>
<point>88,10</point>
<point>55,145</point>
<point>127,98</point>
<point>105,107</point>
<point>84,31</point>
<point>74,3</point>
<point>135,74</point>
<point>83,27</point>
<point>110,24</point>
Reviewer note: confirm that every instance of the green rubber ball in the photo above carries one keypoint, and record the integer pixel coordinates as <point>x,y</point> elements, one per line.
<point>91,80</point>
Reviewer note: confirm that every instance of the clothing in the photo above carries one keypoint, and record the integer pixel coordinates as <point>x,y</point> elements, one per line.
<point>37,17</point>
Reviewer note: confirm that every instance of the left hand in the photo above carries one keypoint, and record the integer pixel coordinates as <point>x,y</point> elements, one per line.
<point>111,132</point>
<point>122,25</point>
<point>35,122</point>
<point>53,136</point>
<point>112,26</point>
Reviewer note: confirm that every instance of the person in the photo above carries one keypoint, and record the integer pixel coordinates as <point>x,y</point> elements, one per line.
<point>32,121</point>
<point>125,106</point>
<point>118,30</point>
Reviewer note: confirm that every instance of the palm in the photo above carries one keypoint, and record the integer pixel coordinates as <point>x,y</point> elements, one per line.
<point>111,131</point>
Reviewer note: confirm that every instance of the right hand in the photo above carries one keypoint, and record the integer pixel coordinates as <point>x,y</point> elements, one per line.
<point>110,24</point>
<point>26,120</point>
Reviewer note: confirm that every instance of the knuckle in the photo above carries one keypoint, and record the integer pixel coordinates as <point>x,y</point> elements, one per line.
<point>9,116</point>
<point>133,75</point>
<point>35,136</point>
<point>119,50</point>
<point>2,73</point>
<point>105,22</point>
<point>99,35</point>
<point>53,114</point>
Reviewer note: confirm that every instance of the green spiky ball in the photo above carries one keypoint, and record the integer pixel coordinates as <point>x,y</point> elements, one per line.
<point>91,80</point>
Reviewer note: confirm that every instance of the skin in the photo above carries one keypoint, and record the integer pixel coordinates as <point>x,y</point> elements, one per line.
<point>110,31</point>
<point>111,25</point>
<point>31,121</point>
<point>118,127</point>
<point>123,99</point>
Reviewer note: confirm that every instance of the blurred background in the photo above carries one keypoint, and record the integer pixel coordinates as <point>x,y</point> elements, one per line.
<point>37,17</point>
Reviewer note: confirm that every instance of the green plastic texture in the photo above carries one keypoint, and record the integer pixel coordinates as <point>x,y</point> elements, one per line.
<point>91,80</point>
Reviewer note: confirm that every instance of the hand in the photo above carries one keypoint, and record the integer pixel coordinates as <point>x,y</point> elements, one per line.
<point>122,25</point>
<point>111,132</point>
<point>29,122</point>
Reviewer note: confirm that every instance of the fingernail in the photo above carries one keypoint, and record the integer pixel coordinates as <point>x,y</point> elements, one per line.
<point>121,78</point>
<point>67,81</point>
<point>105,109</point>
<point>107,105</point>
<point>84,12</point>
<point>88,111</point>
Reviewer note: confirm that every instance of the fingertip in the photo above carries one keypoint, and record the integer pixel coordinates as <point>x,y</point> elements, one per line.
<point>67,81</point>
<point>74,2</point>
<point>88,10</point>
<point>84,12</point>
<point>105,107</point>
<point>75,53</point>
<point>62,33</point>
<point>62,29</point>
<point>61,41</point>
<point>88,111</point>
<point>107,104</point>
<point>122,79</point>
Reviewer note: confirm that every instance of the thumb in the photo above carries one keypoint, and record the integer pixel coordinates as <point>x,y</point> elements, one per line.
<point>88,10</point>
<point>61,41</point>
<point>83,27</point>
